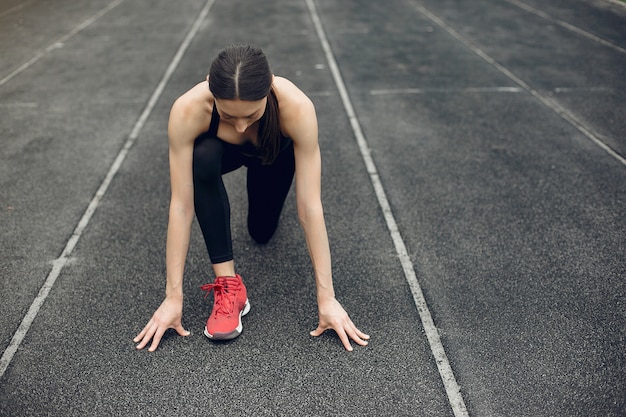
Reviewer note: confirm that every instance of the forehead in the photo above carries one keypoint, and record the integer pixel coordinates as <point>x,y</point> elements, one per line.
<point>240,108</point>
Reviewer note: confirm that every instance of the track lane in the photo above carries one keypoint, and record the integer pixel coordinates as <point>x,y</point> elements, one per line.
<point>485,182</point>
<point>59,144</point>
<point>116,281</point>
<point>572,71</point>
<point>510,214</point>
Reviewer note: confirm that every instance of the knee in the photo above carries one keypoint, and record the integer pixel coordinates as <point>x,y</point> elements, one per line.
<point>261,234</point>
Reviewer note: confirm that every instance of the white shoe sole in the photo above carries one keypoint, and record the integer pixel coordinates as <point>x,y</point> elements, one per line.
<point>234,333</point>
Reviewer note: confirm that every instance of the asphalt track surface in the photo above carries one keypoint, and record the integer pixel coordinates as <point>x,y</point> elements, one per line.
<point>474,190</point>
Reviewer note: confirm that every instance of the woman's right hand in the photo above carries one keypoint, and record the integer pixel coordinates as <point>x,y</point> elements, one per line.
<point>167,316</point>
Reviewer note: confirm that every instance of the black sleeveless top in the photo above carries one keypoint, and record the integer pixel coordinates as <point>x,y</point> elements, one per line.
<point>248,148</point>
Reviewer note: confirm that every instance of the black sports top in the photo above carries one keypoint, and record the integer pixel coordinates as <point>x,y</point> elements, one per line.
<point>247,148</point>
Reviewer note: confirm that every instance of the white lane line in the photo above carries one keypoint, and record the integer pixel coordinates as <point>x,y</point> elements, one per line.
<point>582,89</point>
<point>18,105</point>
<point>566,25</point>
<point>390,91</point>
<point>59,263</point>
<point>59,42</point>
<point>15,8</point>
<point>445,370</point>
<point>554,106</point>
<point>320,93</point>
<point>399,91</point>
<point>618,2</point>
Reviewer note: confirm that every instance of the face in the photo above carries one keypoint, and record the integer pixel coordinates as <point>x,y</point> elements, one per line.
<point>241,113</point>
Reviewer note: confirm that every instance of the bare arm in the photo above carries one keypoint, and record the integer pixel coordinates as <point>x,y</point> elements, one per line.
<point>181,211</point>
<point>309,202</point>
<point>182,131</point>
<point>302,128</point>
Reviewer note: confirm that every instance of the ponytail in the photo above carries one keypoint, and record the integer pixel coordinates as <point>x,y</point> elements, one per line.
<point>268,142</point>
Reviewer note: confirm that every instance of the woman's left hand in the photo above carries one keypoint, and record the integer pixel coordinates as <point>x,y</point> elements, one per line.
<point>333,316</point>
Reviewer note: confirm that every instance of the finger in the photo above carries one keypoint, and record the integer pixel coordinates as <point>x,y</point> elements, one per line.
<point>344,339</point>
<point>142,333</point>
<point>181,330</point>
<point>317,332</point>
<point>355,335</point>
<point>361,334</point>
<point>156,339</point>
<point>139,336</point>
<point>147,335</point>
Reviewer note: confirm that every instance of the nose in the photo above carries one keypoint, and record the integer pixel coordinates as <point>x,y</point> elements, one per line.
<point>241,126</point>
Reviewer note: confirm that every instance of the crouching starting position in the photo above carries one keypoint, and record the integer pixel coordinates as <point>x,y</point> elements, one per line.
<point>242,115</point>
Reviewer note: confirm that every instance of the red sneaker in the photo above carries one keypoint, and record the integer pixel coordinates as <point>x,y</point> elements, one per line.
<point>230,303</point>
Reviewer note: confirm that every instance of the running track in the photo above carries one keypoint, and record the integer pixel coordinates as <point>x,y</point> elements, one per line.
<point>474,189</point>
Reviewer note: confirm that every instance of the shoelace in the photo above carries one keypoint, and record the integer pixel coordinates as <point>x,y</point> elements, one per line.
<point>224,294</point>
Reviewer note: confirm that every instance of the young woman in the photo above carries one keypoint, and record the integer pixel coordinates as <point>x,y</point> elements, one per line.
<point>242,115</point>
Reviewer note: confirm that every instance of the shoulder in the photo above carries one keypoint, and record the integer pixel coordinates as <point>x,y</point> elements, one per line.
<point>191,113</point>
<point>289,96</point>
<point>296,108</point>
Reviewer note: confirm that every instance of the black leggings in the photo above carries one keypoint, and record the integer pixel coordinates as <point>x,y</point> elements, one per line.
<point>267,187</point>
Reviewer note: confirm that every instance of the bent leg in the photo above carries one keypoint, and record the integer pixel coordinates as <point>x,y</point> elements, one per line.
<point>210,198</point>
<point>268,186</point>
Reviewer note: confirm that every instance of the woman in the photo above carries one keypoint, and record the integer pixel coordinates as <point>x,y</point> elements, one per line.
<point>242,115</point>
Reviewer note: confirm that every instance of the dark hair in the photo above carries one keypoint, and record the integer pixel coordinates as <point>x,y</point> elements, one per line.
<point>242,72</point>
